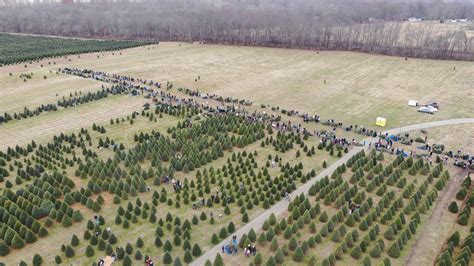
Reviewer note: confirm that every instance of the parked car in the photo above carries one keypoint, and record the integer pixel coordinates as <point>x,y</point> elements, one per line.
<point>433,104</point>
<point>427,110</point>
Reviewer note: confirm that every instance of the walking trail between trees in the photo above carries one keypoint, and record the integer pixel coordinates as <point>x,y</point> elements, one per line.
<point>437,228</point>
<point>282,205</point>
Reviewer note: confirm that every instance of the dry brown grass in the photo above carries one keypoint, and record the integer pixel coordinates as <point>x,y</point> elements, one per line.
<point>44,127</point>
<point>351,87</point>
<point>358,88</point>
<point>453,137</point>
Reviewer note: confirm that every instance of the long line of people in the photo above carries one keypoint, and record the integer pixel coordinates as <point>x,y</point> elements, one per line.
<point>462,160</point>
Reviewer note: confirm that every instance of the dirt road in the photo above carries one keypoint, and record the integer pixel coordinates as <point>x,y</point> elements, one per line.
<point>281,206</point>
<point>437,228</point>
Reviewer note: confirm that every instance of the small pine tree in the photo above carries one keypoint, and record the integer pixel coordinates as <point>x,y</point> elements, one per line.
<point>17,242</point>
<point>177,262</point>
<point>453,207</point>
<point>279,256</point>
<point>167,258</point>
<point>376,251</point>
<point>188,257</point>
<point>215,239</point>
<point>167,246</point>
<point>218,261</point>
<point>293,244</point>
<point>252,236</point>
<point>274,244</point>
<point>389,234</point>
<point>394,250</point>
<point>356,252</point>
<point>69,252</point>
<point>463,219</point>
<point>127,260</point>
<point>4,249</point>
<point>139,242</point>
<point>196,250</point>
<point>257,260</point>
<point>298,256</point>
<point>37,260</point>
<point>74,240</point>
<point>89,251</point>
<point>245,217</point>
<point>138,255</point>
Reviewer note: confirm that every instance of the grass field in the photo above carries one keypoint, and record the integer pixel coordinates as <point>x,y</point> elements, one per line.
<point>17,93</point>
<point>349,87</point>
<point>453,137</point>
<point>43,127</point>
<point>358,88</point>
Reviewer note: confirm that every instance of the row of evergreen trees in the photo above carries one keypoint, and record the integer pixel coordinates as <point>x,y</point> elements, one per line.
<point>392,209</point>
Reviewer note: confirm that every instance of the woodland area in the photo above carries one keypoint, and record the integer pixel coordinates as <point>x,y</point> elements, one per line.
<point>373,27</point>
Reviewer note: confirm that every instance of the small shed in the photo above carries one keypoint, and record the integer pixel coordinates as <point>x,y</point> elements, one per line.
<point>380,121</point>
<point>412,103</point>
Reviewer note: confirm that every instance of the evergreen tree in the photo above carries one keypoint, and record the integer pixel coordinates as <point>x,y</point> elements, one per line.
<point>196,250</point>
<point>74,240</point>
<point>279,256</point>
<point>127,261</point>
<point>293,244</point>
<point>252,236</point>
<point>188,257</point>
<point>394,250</point>
<point>298,255</point>
<point>177,261</point>
<point>89,251</point>
<point>356,252</point>
<point>453,207</point>
<point>17,242</point>
<point>215,239</point>
<point>167,258</point>
<point>257,260</point>
<point>69,252</point>
<point>138,255</point>
<point>376,251</point>
<point>4,249</point>
<point>37,260</point>
<point>218,261</point>
<point>274,244</point>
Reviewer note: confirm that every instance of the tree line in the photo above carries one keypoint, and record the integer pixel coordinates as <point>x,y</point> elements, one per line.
<point>373,27</point>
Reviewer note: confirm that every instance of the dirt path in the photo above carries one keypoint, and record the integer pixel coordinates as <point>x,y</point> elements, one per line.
<point>437,228</point>
<point>443,200</point>
<point>277,209</point>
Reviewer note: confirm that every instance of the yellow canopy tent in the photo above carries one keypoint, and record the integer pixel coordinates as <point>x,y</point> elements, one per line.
<point>380,121</point>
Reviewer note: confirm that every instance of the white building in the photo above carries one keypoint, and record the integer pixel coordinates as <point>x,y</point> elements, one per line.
<point>415,19</point>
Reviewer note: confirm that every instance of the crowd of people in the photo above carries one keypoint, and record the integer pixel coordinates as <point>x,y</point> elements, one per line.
<point>219,107</point>
<point>426,151</point>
